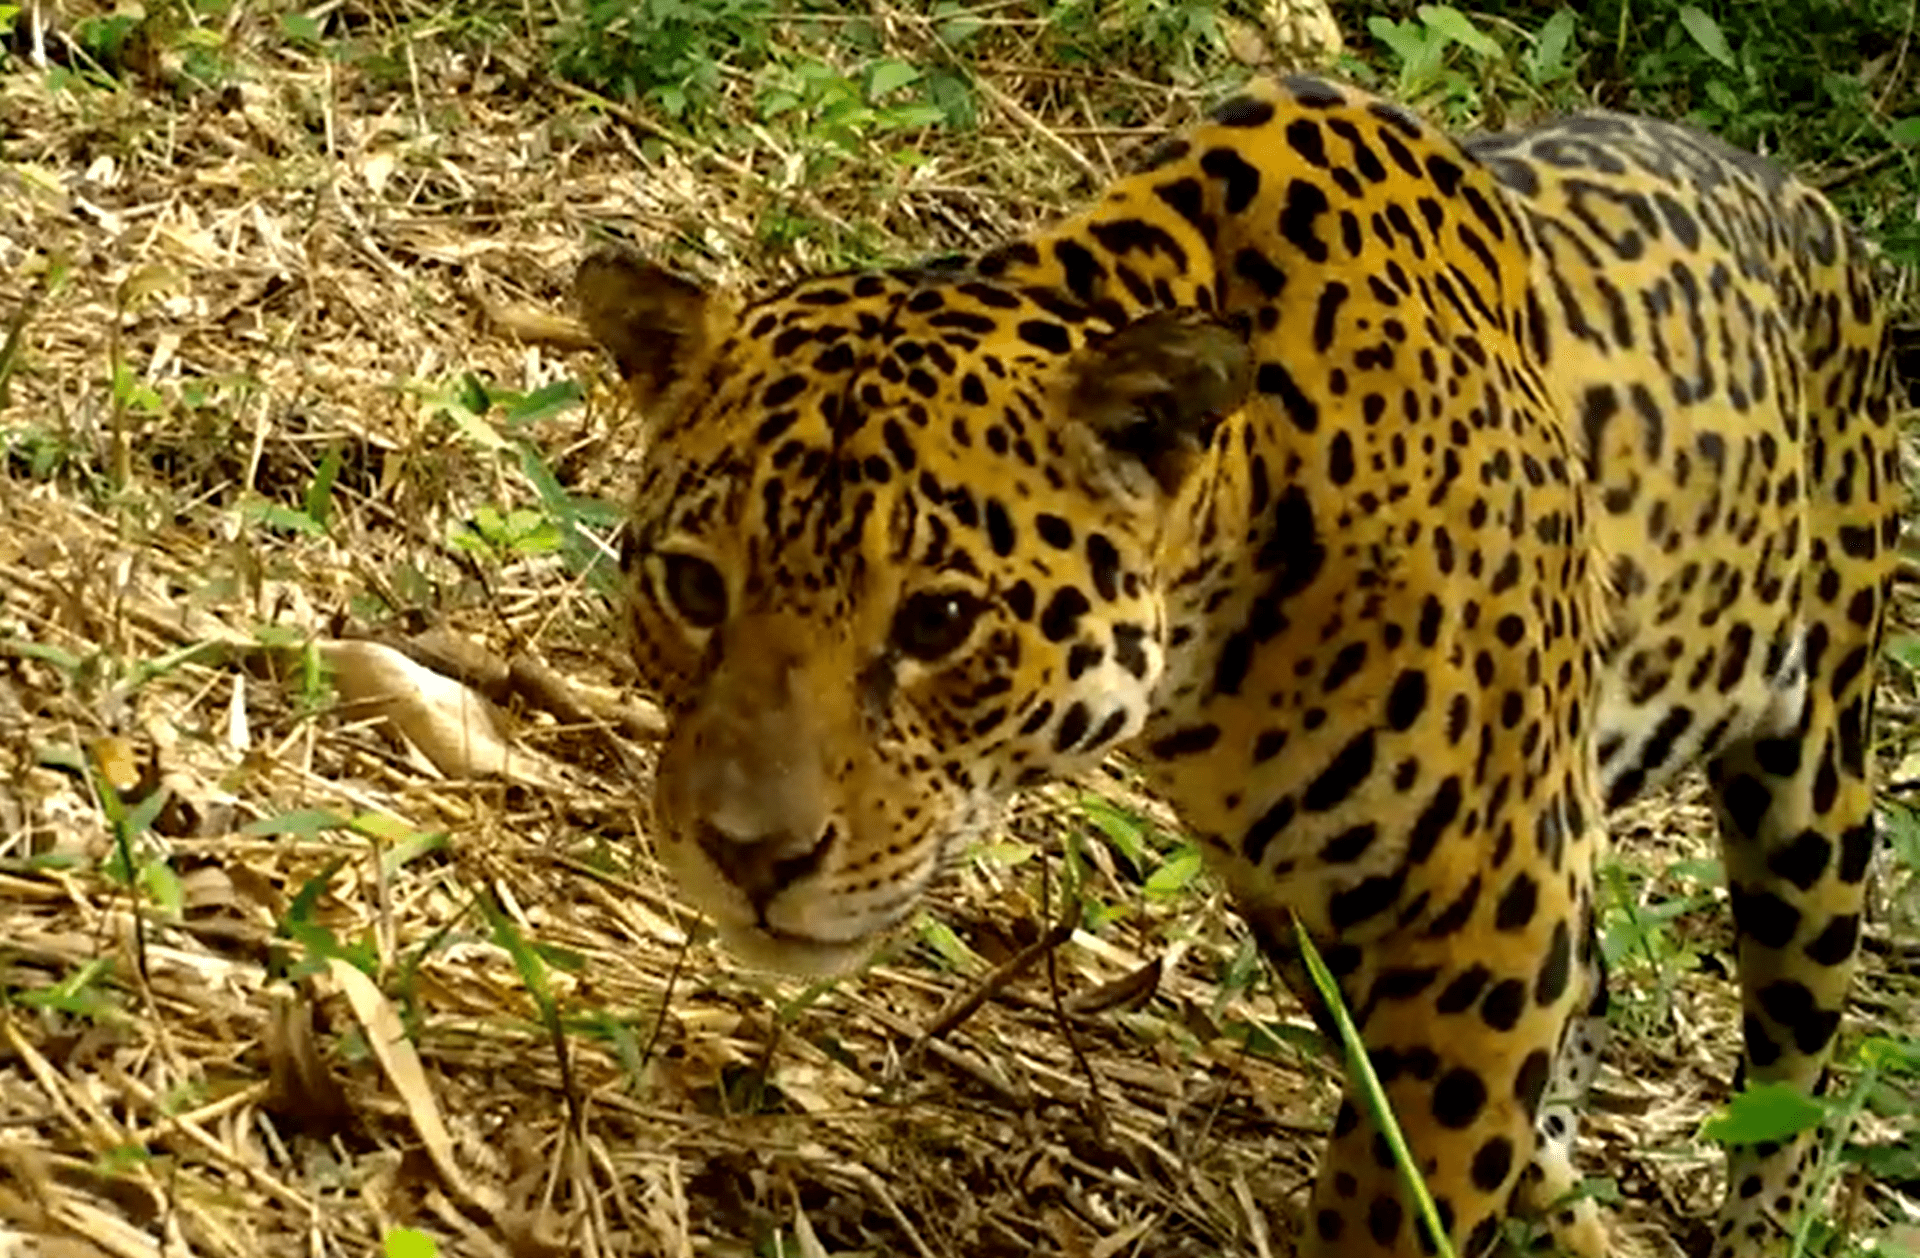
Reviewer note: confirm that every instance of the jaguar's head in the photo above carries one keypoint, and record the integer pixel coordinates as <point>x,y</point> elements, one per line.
<point>895,553</point>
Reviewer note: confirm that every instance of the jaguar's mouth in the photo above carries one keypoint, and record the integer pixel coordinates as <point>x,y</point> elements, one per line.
<point>758,946</point>
<point>804,926</point>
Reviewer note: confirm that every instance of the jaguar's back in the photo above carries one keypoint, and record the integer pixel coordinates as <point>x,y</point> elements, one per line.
<point>1401,504</point>
<point>1746,504</point>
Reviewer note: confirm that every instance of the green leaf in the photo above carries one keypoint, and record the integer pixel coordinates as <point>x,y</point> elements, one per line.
<point>1723,96</point>
<point>543,403</point>
<point>381,826</point>
<point>1403,39</point>
<point>1550,46</point>
<point>1707,33</point>
<point>1905,131</point>
<point>1125,831</point>
<point>1887,1162</point>
<point>569,960</point>
<point>136,821</point>
<point>1005,854</point>
<point>405,1242</point>
<point>1448,21</point>
<point>121,1159</point>
<point>319,495</point>
<point>1902,828</point>
<point>412,847</point>
<point>163,885</point>
<point>1893,1056</point>
<point>65,661</point>
<point>276,516</point>
<point>953,94</point>
<point>305,823</point>
<point>1699,870</point>
<point>773,103</point>
<point>889,76</point>
<point>939,936</point>
<point>472,393</point>
<point>1279,1039</point>
<point>300,28</point>
<point>1239,976</point>
<point>526,957</point>
<point>913,117</point>
<point>466,417</point>
<point>569,513</point>
<point>1905,650</point>
<point>1175,874</point>
<point>1766,1111</point>
<point>958,31</point>
<point>76,994</point>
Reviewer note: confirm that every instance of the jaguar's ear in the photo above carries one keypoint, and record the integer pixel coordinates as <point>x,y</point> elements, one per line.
<point>658,327</point>
<point>1154,391</point>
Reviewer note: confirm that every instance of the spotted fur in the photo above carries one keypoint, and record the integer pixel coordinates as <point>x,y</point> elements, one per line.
<point>1402,504</point>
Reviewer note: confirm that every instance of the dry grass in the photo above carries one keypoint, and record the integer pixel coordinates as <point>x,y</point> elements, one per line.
<point>290,279</point>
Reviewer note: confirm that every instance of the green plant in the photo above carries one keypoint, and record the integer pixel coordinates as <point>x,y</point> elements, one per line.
<point>842,111</point>
<point>301,30</point>
<point>406,1242</point>
<point>1637,934</point>
<point>670,53</point>
<point>315,942</point>
<point>1824,87</point>
<point>497,532</point>
<point>1429,48</point>
<point>105,38</point>
<point>1747,71</point>
<point>499,424</point>
<point>40,453</point>
<point>1885,1071</point>
<point>84,993</point>
<point>1900,823</point>
<point>1360,1071</point>
<point>1550,60</point>
<point>1179,38</point>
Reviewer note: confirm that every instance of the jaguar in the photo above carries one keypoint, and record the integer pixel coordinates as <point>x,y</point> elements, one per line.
<point>1401,504</point>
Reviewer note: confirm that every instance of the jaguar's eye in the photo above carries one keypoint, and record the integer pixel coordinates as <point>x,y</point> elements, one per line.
<point>696,589</point>
<point>932,623</point>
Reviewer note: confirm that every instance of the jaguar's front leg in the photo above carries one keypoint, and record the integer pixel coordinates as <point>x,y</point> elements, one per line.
<point>1482,1020</point>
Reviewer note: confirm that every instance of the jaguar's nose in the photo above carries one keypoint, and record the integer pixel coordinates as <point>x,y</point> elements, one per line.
<point>762,866</point>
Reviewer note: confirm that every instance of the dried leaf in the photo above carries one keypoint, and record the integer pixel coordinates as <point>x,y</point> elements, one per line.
<point>457,731</point>
<point>303,1087</point>
<point>387,1036</point>
<point>1129,991</point>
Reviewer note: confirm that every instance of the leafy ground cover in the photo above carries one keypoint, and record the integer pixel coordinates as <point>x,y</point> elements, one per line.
<point>285,416</point>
